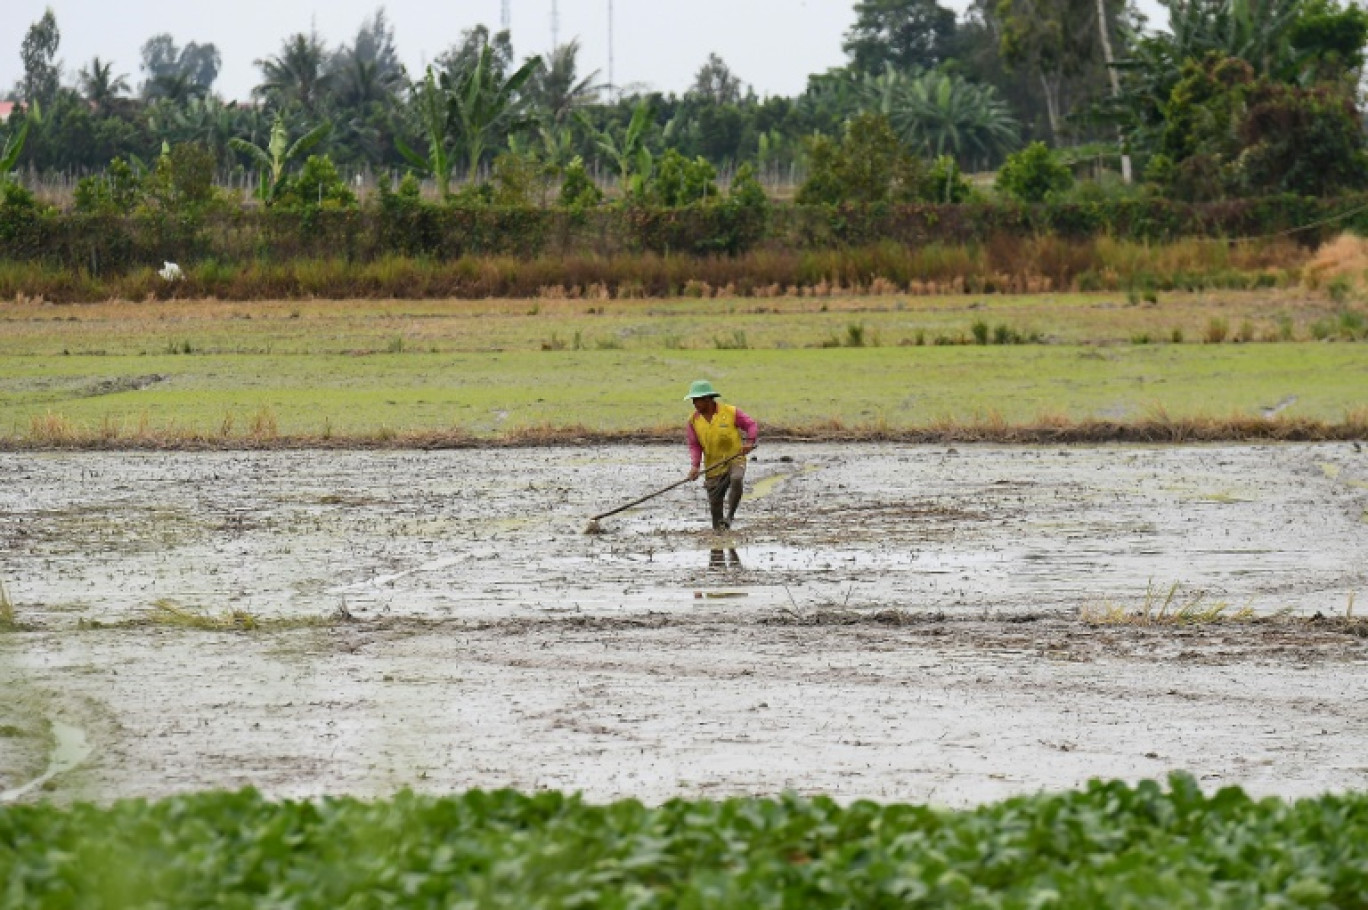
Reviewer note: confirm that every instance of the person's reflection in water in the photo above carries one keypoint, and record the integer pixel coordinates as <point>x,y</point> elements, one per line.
<point>722,560</point>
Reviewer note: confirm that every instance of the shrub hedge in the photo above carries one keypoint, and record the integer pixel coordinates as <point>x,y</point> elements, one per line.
<point>104,244</point>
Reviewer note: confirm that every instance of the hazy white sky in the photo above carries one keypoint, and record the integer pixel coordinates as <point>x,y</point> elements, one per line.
<point>770,44</point>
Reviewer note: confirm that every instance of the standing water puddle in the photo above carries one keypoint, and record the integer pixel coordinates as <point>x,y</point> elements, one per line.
<point>69,751</point>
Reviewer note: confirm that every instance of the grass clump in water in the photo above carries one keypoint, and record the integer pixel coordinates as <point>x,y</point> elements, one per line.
<point>1170,611</point>
<point>168,612</point>
<point>8,620</point>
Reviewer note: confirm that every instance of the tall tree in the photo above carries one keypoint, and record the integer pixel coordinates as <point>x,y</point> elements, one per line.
<point>716,83</point>
<point>465,55</point>
<point>368,70</point>
<point>1056,42</point>
<point>42,71</point>
<point>905,34</point>
<point>298,74</point>
<point>101,87</point>
<point>178,73</point>
<point>556,89</point>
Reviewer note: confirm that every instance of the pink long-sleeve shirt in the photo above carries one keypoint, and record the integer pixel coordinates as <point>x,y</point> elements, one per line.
<point>744,423</point>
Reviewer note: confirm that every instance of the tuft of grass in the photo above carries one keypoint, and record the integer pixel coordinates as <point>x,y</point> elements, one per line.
<point>8,621</point>
<point>1170,611</point>
<point>1217,329</point>
<point>168,612</point>
<point>265,424</point>
<point>50,429</point>
<point>737,342</point>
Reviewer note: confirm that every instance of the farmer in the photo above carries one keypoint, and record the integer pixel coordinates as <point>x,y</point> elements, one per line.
<point>716,442</point>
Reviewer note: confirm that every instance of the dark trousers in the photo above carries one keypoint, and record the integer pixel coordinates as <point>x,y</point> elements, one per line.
<point>724,495</point>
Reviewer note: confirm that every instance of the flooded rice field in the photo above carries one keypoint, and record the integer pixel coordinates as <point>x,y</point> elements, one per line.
<point>930,624</point>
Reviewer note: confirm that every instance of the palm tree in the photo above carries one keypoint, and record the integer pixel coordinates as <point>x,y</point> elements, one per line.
<point>359,83</point>
<point>177,87</point>
<point>207,121</point>
<point>101,87</point>
<point>297,74</point>
<point>554,89</point>
<point>938,113</point>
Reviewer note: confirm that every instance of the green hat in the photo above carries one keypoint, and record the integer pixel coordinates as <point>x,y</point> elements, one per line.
<point>701,388</point>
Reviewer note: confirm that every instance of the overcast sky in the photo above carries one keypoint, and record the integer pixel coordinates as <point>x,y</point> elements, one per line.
<point>771,45</point>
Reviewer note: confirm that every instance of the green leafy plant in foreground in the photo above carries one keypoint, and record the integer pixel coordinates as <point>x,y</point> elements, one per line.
<point>1109,845</point>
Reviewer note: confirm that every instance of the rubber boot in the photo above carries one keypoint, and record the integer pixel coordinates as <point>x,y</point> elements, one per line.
<point>717,496</point>
<point>733,500</point>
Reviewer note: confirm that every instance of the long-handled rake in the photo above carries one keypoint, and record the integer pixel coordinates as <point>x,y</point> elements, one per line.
<point>594,528</point>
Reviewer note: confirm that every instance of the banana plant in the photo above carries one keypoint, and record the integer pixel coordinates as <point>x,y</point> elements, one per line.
<point>628,151</point>
<point>12,148</point>
<point>430,103</point>
<point>278,153</point>
<point>480,100</point>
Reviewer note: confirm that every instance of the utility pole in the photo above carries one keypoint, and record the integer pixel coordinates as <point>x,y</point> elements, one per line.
<point>555,25</point>
<point>506,15</point>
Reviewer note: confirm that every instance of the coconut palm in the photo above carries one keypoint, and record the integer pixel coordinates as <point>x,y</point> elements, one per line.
<point>101,87</point>
<point>555,89</point>
<point>298,74</point>
<point>207,121</point>
<point>177,87</point>
<point>368,70</point>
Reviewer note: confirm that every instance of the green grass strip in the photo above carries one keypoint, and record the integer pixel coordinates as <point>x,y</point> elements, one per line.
<point>1109,845</point>
<point>491,394</point>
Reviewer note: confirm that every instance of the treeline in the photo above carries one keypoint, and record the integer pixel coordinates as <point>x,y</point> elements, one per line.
<point>1238,98</point>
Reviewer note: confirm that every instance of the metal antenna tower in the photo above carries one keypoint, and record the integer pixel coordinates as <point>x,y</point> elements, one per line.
<point>506,15</point>
<point>610,49</point>
<point>555,25</point>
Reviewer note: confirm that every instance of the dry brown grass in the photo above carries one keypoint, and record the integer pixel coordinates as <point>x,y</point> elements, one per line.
<point>1001,264</point>
<point>53,431</point>
<point>1344,257</point>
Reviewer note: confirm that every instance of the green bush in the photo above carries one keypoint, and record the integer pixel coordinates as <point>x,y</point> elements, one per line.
<point>1034,174</point>
<point>869,164</point>
<point>677,181</point>
<point>578,189</point>
<point>1110,844</point>
<point>318,185</point>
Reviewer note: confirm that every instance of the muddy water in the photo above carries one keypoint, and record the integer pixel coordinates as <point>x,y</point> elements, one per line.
<point>497,535</point>
<point>440,621</point>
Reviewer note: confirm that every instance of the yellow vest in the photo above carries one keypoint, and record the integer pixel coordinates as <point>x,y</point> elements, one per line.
<point>719,438</point>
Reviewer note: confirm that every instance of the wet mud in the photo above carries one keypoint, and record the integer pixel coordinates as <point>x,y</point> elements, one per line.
<point>893,622</point>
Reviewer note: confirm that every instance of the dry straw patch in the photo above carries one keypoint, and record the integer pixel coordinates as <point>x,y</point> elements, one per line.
<point>1345,257</point>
